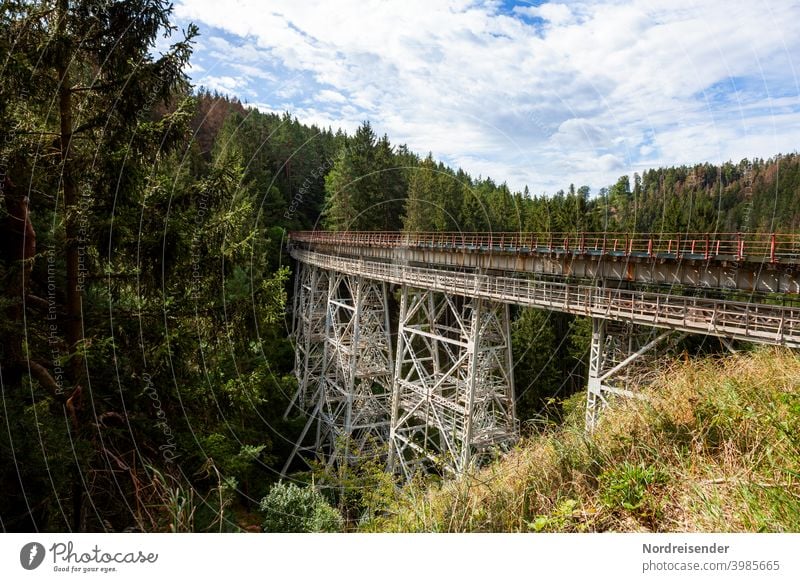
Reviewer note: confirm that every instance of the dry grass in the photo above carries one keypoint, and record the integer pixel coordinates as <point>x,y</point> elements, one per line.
<point>716,447</point>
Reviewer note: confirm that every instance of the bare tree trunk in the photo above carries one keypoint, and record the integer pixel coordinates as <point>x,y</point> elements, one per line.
<point>72,327</point>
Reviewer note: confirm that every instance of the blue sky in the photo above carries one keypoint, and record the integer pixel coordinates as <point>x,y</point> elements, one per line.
<point>541,94</point>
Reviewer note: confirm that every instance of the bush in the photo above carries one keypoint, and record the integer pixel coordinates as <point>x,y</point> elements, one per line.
<point>566,516</point>
<point>293,509</point>
<point>628,485</point>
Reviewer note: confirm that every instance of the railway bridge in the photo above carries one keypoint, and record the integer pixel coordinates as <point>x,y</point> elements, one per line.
<point>439,388</point>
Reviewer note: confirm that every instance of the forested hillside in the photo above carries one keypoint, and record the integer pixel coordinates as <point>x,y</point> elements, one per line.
<point>145,359</point>
<point>751,195</point>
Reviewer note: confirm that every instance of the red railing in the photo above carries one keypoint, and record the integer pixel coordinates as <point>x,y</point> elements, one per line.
<point>752,247</point>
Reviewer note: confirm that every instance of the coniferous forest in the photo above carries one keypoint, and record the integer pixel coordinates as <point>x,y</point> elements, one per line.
<point>145,362</point>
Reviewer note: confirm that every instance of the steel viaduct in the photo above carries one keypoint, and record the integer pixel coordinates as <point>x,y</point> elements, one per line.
<point>440,389</point>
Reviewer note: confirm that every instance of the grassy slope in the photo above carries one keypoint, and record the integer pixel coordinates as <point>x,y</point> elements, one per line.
<point>715,448</point>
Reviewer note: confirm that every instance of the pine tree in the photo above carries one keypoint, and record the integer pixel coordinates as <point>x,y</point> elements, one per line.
<point>536,373</point>
<point>473,215</point>
<point>93,59</point>
<point>366,188</point>
<point>351,185</point>
<point>392,189</point>
<point>421,207</point>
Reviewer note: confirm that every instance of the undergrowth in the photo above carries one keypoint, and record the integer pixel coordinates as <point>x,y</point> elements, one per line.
<point>714,447</point>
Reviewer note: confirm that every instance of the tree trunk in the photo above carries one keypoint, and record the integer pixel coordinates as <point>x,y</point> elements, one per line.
<point>73,324</point>
<point>18,239</point>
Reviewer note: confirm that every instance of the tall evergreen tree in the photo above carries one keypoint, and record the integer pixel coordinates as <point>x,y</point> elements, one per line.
<point>366,188</point>
<point>422,207</point>
<point>536,373</point>
<point>94,60</point>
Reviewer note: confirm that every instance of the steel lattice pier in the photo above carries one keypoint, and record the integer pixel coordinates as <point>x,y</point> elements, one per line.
<point>343,364</point>
<point>453,396</point>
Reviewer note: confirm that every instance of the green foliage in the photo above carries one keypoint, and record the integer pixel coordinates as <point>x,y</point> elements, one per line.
<point>536,373</point>
<point>361,487</point>
<point>628,486</point>
<point>292,509</point>
<point>185,199</point>
<point>232,459</point>
<point>580,338</point>
<point>752,195</point>
<point>183,509</point>
<point>567,516</point>
<point>366,188</point>
<point>423,208</point>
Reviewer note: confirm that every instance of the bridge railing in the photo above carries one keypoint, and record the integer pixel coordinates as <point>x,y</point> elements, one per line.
<point>752,247</point>
<point>758,322</point>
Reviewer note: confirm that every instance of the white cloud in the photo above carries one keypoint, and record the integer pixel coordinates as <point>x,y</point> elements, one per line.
<point>224,84</point>
<point>610,163</point>
<point>577,132</point>
<point>556,14</point>
<point>328,96</point>
<point>602,88</point>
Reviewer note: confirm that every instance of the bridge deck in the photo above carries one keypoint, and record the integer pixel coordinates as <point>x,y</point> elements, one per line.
<point>740,247</point>
<point>742,262</point>
<point>755,322</point>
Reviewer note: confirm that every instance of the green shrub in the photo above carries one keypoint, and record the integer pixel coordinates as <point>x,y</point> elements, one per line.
<point>292,509</point>
<point>566,516</point>
<point>628,485</point>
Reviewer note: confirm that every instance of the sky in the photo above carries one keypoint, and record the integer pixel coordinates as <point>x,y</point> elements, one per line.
<point>541,94</point>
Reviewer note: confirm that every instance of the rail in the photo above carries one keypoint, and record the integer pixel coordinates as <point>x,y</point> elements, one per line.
<point>755,322</point>
<point>741,247</point>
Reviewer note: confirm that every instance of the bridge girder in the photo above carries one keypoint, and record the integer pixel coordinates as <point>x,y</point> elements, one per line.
<point>740,262</point>
<point>759,322</point>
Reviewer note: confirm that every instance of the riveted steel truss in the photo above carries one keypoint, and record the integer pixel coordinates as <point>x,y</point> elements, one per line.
<point>309,333</point>
<point>355,412</point>
<point>344,364</point>
<point>449,392</point>
<point>617,363</point>
<point>453,395</point>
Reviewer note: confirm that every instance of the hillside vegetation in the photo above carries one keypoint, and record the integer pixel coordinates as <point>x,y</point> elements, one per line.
<point>715,447</point>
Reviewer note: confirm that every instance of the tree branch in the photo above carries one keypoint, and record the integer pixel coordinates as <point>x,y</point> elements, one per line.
<point>34,301</point>
<point>46,380</point>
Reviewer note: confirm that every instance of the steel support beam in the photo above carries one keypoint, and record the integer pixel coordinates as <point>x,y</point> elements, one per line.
<point>765,323</point>
<point>710,264</point>
<point>309,332</point>
<point>343,364</point>
<point>613,351</point>
<point>453,395</point>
